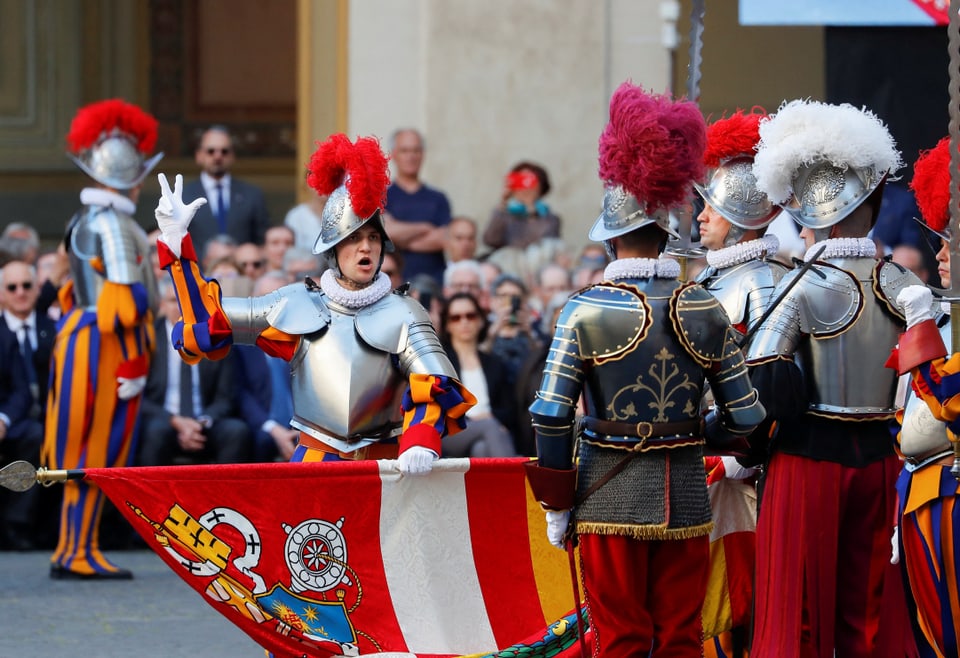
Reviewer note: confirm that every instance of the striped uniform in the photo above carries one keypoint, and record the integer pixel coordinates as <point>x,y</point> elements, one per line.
<point>928,493</point>
<point>88,425</point>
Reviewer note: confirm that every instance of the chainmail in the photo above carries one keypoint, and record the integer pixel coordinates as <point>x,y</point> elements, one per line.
<point>634,502</point>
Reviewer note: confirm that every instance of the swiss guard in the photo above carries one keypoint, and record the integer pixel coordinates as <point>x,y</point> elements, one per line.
<point>741,271</point>
<point>105,337</point>
<point>639,348</point>
<point>929,527</point>
<point>354,345</point>
<point>825,585</point>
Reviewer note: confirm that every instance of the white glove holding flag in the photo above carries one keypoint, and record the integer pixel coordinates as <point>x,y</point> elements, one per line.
<point>416,460</point>
<point>917,303</point>
<point>557,523</point>
<point>130,387</point>
<point>173,216</point>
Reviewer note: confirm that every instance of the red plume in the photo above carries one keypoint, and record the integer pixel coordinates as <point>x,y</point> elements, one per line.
<point>98,119</point>
<point>735,135</point>
<point>363,165</point>
<point>652,146</point>
<point>931,185</point>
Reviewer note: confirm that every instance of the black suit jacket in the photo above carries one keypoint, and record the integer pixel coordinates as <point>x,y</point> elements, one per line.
<point>502,399</point>
<point>46,335</point>
<point>247,217</point>
<point>15,399</point>
<point>217,388</point>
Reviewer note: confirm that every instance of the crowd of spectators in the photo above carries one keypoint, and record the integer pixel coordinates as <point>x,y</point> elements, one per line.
<point>493,290</point>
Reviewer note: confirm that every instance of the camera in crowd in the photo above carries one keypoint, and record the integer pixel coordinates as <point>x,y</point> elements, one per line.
<point>515,302</point>
<point>522,180</point>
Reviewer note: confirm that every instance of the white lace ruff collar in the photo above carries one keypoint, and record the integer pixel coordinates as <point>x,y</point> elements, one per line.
<point>742,252</point>
<point>95,196</point>
<point>354,298</point>
<point>844,248</point>
<point>642,268</point>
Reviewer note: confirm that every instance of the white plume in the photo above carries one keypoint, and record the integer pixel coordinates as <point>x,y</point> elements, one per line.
<point>803,132</point>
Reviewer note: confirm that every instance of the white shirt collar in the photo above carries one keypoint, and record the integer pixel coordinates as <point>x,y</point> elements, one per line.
<point>642,268</point>
<point>742,252</point>
<point>97,196</point>
<point>210,183</point>
<point>14,323</point>
<point>376,291</point>
<point>844,248</point>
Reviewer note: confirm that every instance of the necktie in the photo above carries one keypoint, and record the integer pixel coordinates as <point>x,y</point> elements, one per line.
<point>221,209</point>
<point>27,350</point>
<point>186,390</point>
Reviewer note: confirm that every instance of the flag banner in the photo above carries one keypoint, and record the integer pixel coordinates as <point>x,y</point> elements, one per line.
<point>732,551</point>
<point>847,12</point>
<point>350,558</point>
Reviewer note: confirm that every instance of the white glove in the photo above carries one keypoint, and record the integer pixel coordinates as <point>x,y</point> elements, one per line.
<point>130,387</point>
<point>895,545</point>
<point>557,523</point>
<point>416,460</point>
<point>917,302</point>
<point>173,217</point>
<point>734,470</point>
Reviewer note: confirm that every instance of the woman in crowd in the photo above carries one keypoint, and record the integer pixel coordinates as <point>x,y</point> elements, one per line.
<point>522,218</point>
<point>463,328</point>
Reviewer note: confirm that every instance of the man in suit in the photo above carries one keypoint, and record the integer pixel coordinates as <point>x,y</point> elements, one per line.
<point>234,207</point>
<point>264,391</point>
<point>19,291</point>
<point>192,417</point>
<point>26,341</point>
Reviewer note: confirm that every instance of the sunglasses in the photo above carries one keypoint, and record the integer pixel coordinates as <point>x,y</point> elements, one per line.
<point>26,285</point>
<point>214,151</point>
<point>256,264</point>
<point>456,317</point>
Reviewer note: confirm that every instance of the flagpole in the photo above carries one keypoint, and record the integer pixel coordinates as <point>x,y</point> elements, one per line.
<point>953,45</point>
<point>683,249</point>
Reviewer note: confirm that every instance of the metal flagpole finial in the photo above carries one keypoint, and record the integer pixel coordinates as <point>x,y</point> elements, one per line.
<point>18,476</point>
<point>21,475</point>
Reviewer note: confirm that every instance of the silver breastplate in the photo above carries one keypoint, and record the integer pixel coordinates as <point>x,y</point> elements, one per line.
<point>350,372</point>
<point>744,290</point>
<point>843,361</point>
<point>120,246</point>
<point>345,392</point>
<point>921,434</point>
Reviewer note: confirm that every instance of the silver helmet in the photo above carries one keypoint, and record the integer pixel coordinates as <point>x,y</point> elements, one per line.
<point>732,192</point>
<point>824,194</point>
<point>622,213</point>
<point>339,220</point>
<point>115,161</point>
<point>820,161</point>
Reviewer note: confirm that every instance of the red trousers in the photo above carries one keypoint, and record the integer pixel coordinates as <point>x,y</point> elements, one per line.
<point>645,596</point>
<point>825,585</point>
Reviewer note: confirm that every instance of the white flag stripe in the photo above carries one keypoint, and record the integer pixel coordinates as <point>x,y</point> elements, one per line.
<point>428,561</point>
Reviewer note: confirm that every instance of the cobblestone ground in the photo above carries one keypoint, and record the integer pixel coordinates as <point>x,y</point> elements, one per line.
<point>155,614</point>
